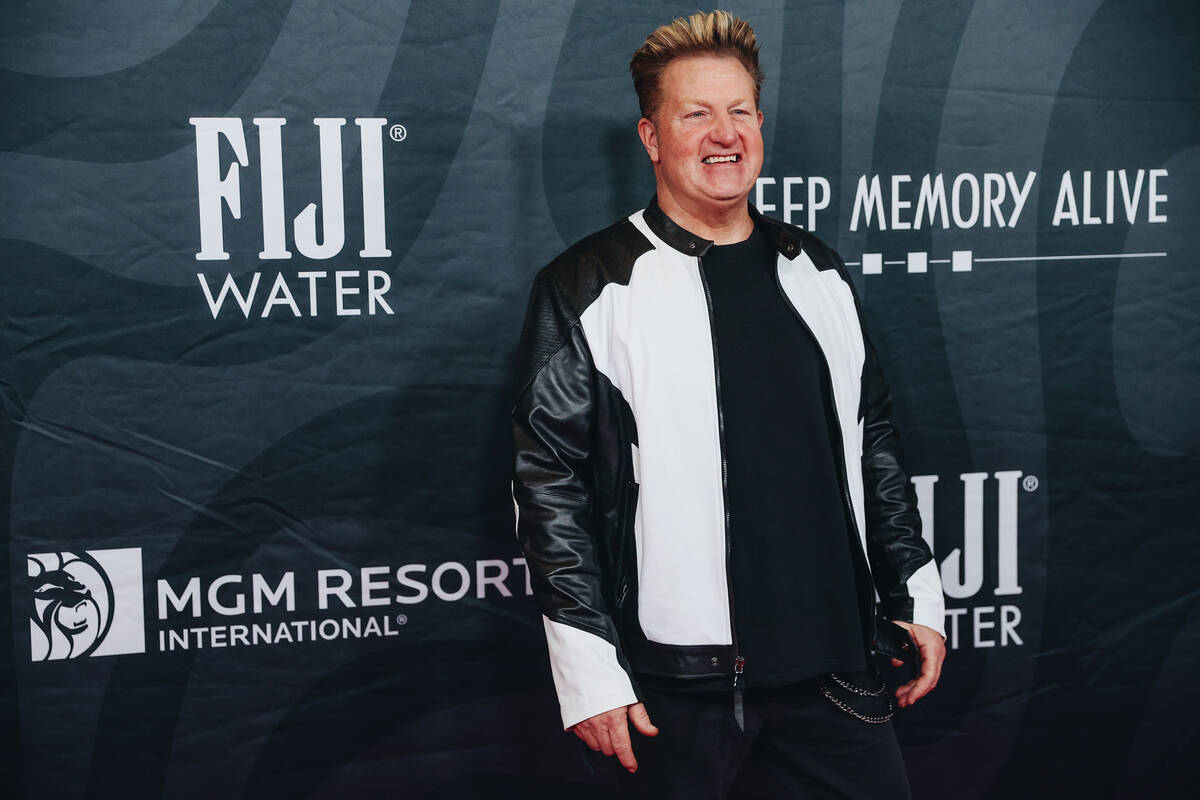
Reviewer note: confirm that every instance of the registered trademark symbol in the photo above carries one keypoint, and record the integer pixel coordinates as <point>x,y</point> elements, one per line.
<point>398,133</point>
<point>401,619</point>
<point>1029,483</point>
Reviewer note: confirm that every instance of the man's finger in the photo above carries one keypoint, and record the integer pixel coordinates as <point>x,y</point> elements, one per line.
<point>621,747</point>
<point>938,662</point>
<point>587,737</point>
<point>918,687</point>
<point>932,654</point>
<point>605,741</point>
<point>641,720</point>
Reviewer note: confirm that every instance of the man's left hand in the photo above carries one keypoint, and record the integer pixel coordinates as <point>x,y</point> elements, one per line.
<point>932,647</point>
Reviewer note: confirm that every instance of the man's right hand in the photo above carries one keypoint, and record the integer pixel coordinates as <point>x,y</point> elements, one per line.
<point>609,732</point>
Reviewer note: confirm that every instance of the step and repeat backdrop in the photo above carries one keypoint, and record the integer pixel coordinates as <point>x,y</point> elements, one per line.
<point>264,266</point>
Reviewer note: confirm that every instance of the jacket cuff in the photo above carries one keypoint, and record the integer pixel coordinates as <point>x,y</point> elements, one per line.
<point>587,676</point>
<point>929,605</point>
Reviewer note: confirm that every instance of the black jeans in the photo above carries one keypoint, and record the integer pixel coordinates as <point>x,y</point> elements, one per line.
<point>796,744</point>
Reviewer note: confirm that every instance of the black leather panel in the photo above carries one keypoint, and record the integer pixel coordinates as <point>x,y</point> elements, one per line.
<point>894,544</point>
<point>572,431</point>
<point>586,267</point>
<point>553,431</point>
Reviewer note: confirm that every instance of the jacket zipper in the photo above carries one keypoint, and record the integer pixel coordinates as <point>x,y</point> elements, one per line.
<point>834,425</point>
<point>739,663</point>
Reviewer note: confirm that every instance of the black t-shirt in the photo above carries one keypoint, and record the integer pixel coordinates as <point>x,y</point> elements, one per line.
<point>795,600</point>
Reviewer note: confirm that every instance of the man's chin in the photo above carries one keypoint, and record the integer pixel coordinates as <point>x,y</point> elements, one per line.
<point>729,191</point>
<point>729,198</point>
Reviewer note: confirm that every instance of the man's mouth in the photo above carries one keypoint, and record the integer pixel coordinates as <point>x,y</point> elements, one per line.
<point>722,159</point>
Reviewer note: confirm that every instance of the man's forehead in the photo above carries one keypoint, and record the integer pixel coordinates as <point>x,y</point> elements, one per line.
<point>696,76</point>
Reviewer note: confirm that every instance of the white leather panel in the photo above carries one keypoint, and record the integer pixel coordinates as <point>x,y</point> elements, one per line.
<point>587,676</point>
<point>652,340</point>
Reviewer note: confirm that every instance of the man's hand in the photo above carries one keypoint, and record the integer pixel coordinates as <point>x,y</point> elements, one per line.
<point>609,732</point>
<point>933,652</point>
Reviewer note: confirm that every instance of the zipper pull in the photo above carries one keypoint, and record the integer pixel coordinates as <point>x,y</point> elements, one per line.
<point>739,667</point>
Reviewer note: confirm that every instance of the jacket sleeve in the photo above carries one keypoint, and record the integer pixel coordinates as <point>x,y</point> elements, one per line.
<point>905,572</point>
<point>552,489</point>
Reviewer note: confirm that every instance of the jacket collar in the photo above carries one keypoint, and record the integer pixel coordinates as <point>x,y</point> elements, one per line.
<point>781,235</point>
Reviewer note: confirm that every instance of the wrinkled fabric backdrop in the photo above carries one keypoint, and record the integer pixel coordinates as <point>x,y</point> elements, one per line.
<point>264,269</point>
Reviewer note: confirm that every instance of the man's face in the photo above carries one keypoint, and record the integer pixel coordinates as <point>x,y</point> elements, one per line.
<point>705,138</point>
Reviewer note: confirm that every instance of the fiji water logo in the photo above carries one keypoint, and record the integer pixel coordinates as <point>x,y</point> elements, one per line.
<point>86,604</point>
<point>318,232</point>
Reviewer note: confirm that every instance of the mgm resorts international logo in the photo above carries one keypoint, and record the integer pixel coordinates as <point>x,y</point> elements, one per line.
<point>91,603</point>
<point>86,603</point>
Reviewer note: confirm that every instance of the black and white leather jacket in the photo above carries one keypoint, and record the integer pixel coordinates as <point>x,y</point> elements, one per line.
<point>620,469</point>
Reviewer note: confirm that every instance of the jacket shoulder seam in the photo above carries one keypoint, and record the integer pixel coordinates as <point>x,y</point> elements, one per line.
<point>571,258</point>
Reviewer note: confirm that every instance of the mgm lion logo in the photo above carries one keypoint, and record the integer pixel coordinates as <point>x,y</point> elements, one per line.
<point>86,604</point>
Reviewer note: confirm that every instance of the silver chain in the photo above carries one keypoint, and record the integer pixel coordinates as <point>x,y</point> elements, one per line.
<point>850,687</point>
<point>874,720</point>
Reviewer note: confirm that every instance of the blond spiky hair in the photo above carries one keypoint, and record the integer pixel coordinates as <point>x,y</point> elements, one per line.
<point>715,33</point>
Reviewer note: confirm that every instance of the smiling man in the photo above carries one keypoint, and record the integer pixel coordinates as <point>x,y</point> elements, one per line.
<point>710,493</point>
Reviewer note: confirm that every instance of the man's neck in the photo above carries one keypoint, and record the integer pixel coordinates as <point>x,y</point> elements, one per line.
<point>723,225</point>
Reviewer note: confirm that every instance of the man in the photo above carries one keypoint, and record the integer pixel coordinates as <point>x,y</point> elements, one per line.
<point>708,481</point>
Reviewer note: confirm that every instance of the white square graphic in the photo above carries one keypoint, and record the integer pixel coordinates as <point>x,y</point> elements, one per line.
<point>918,262</point>
<point>86,603</point>
<point>960,261</point>
<point>872,263</point>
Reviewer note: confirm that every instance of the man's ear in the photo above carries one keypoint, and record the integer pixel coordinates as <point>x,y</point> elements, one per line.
<point>649,137</point>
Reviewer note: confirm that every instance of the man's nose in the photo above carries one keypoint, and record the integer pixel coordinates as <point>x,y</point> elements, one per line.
<point>722,131</point>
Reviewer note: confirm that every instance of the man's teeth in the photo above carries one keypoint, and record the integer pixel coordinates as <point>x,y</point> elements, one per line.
<point>720,159</point>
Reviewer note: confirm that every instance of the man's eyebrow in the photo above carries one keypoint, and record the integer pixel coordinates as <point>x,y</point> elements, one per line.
<point>708,104</point>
